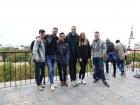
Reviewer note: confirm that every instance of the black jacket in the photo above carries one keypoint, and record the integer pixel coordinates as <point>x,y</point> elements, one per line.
<point>73,41</point>
<point>62,53</point>
<point>50,44</point>
<point>84,50</point>
<point>110,47</point>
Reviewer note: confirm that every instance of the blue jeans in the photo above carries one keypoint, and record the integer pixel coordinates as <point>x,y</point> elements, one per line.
<point>120,65</point>
<point>50,60</point>
<point>99,68</point>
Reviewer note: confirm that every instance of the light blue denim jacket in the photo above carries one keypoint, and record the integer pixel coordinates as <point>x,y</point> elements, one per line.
<point>39,51</point>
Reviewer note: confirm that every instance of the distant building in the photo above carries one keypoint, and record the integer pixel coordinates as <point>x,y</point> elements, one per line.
<point>137,46</point>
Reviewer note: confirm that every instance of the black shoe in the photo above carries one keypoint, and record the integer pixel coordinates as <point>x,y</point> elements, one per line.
<point>105,83</point>
<point>96,80</point>
<point>114,76</point>
<point>122,73</point>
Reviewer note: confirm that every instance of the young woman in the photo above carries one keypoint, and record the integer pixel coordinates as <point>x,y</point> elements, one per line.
<point>84,54</point>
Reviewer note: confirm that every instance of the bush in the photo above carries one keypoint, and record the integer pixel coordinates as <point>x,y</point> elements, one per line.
<point>19,57</point>
<point>130,58</point>
<point>7,72</point>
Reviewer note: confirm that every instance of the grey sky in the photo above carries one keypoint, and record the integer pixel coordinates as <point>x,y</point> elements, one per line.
<point>20,20</point>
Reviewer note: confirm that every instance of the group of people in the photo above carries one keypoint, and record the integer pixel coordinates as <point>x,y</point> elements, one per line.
<point>67,51</point>
<point>120,50</point>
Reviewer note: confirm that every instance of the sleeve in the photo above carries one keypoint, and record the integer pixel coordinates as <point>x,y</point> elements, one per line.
<point>89,50</point>
<point>78,53</point>
<point>67,38</point>
<point>113,46</point>
<point>67,55</point>
<point>124,48</point>
<point>55,42</point>
<point>116,48</point>
<point>104,47</point>
<point>35,51</point>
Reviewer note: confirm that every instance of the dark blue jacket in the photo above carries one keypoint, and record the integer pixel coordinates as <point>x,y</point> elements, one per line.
<point>110,47</point>
<point>62,53</point>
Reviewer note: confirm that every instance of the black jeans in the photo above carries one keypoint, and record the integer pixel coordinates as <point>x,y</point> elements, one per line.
<point>83,68</point>
<point>72,66</point>
<point>62,69</point>
<point>114,67</point>
<point>39,72</point>
<point>99,69</point>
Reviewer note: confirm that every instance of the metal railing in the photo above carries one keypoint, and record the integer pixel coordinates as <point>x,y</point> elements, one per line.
<point>133,60</point>
<point>17,67</point>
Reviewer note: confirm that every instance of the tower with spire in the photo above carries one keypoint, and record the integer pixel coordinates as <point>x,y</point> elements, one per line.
<point>130,38</point>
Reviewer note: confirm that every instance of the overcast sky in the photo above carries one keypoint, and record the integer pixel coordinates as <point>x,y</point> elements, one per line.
<point>20,20</point>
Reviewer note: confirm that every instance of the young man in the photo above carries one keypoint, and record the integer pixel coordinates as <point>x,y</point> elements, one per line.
<point>73,40</point>
<point>51,46</point>
<point>110,49</point>
<point>32,43</point>
<point>62,58</point>
<point>39,59</point>
<point>98,51</point>
<point>120,49</point>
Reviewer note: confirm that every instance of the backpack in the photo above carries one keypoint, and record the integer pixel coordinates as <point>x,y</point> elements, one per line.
<point>32,45</point>
<point>113,56</point>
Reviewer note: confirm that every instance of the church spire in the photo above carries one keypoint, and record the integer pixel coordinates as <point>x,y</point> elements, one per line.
<point>130,38</point>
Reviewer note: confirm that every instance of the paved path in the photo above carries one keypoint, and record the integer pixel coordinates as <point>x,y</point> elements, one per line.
<point>122,91</point>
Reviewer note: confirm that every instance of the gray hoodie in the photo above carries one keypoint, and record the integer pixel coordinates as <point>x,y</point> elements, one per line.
<point>39,51</point>
<point>98,48</point>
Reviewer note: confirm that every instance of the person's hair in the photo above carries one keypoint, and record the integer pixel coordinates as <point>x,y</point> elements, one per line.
<point>96,32</point>
<point>37,37</point>
<point>107,40</point>
<point>41,31</point>
<point>74,26</point>
<point>61,33</point>
<point>55,28</point>
<point>82,40</point>
<point>117,41</point>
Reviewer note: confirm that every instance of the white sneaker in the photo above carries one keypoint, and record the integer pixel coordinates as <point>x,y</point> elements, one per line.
<point>73,83</point>
<point>55,85</point>
<point>76,82</point>
<point>79,81</point>
<point>52,87</point>
<point>40,88</point>
<point>83,81</point>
